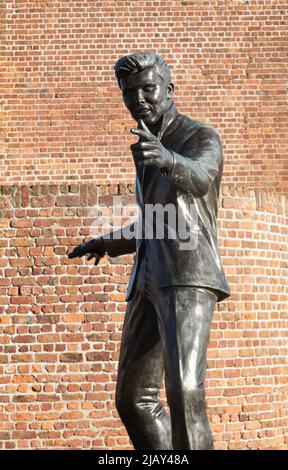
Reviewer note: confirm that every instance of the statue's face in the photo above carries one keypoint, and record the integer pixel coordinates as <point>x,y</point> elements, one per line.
<point>146,95</point>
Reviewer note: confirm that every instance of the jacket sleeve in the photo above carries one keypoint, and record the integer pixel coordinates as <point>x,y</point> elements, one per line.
<point>121,242</point>
<point>195,170</point>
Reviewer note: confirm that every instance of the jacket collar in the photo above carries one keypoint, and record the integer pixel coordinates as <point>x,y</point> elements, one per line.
<point>168,118</point>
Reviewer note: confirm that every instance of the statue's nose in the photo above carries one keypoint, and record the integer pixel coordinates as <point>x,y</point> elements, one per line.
<point>139,98</point>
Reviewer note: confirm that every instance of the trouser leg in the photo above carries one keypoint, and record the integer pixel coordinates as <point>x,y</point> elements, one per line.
<point>185,318</point>
<point>140,373</point>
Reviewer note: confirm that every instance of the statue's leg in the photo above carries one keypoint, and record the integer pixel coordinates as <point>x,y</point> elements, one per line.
<point>140,374</point>
<point>185,319</point>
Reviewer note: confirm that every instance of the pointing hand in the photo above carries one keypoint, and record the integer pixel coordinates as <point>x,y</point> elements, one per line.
<point>149,151</point>
<point>94,249</point>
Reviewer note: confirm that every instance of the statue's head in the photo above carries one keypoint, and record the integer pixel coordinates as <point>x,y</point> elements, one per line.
<point>145,82</point>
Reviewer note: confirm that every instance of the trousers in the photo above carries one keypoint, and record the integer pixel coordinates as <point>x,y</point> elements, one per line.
<point>165,330</point>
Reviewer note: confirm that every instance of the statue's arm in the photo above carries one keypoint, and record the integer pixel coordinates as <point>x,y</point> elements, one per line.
<point>120,242</point>
<point>194,171</point>
<point>116,243</point>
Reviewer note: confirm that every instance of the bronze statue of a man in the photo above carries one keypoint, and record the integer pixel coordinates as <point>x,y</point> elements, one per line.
<point>173,287</point>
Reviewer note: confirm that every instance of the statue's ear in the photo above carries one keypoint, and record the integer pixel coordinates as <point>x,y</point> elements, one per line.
<point>170,90</point>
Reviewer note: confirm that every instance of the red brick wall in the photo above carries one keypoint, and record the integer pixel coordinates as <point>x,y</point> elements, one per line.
<point>64,118</point>
<point>65,147</point>
<point>61,322</point>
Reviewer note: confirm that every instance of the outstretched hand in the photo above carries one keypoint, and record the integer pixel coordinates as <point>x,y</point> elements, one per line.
<point>149,151</point>
<point>94,249</point>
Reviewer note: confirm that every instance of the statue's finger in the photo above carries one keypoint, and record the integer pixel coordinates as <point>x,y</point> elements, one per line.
<point>149,162</point>
<point>147,144</point>
<point>142,125</point>
<point>97,259</point>
<point>143,134</point>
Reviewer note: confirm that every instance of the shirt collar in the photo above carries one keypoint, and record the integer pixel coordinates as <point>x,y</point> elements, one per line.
<point>168,118</point>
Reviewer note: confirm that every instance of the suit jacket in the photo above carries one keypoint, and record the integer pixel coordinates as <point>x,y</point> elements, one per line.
<point>190,191</point>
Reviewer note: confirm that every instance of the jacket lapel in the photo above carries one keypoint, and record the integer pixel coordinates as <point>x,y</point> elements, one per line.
<point>150,172</point>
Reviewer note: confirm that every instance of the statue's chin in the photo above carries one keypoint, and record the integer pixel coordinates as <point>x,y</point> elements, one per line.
<point>151,121</point>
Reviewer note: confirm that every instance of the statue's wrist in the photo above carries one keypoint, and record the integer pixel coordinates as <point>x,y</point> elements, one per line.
<point>97,245</point>
<point>102,246</point>
<point>170,164</point>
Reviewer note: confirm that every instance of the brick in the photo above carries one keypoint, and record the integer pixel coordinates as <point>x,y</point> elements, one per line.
<point>22,416</point>
<point>24,339</point>
<point>46,241</point>
<point>48,338</point>
<point>67,201</point>
<point>46,358</point>
<point>21,242</point>
<point>46,201</point>
<point>21,223</point>
<point>20,300</point>
<point>44,222</point>
<point>47,398</point>
<point>22,358</point>
<point>98,356</point>
<point>23,378</point>
<point>247,352</point>
<point>23,398</point>
<point>71,357</point>
<point>72,415</point>
<point>46,416</point>
<point>79,337</point>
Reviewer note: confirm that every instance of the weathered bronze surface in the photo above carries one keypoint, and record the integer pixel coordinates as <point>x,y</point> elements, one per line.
<point>173,287</point>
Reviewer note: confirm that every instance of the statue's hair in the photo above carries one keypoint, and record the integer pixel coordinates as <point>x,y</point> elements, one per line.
<point>134,63</point>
